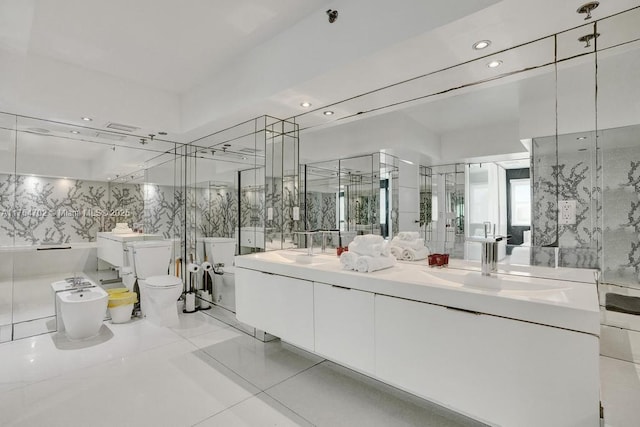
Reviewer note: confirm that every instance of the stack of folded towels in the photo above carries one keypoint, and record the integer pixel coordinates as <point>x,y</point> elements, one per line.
<point>366,254</point>
<point>408,246</point>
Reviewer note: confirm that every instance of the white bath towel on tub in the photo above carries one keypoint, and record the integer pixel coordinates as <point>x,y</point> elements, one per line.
<point>368,264</point>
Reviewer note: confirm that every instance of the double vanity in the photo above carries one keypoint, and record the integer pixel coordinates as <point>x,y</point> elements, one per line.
<point>520,347</point>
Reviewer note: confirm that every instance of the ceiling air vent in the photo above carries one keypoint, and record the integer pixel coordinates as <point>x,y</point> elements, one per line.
<point>110,136</point>
<point>121,127</point>
<point>249,150</point>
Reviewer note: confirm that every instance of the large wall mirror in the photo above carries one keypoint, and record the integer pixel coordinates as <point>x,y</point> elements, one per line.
<point>62,186</point>
<point>530,135</point>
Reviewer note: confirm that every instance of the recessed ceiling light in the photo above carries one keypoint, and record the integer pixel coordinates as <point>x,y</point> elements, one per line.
<point>580,138</point>
<point>87,119</point>
<point>75,132</point>
<point>582,149</point>
<point>305,104</point>
<point>482,44</point>
<point>328,113</point>
<point>244,158</point>
<point>494,64</point>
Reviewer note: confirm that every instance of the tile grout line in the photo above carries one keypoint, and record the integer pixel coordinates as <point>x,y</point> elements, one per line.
<point>260,390</point>
<point>295,375</point>
<point>282,403</point>
<point>287,379</point>
<point>246,399</point>
<point>226,409</point>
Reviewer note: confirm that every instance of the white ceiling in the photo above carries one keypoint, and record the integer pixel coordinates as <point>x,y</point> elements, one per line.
<point>167,44</point>
<point>197,66</point>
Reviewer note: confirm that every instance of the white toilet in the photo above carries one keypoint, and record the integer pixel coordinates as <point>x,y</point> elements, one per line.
<point>222,250</point>
<point>148,264</point>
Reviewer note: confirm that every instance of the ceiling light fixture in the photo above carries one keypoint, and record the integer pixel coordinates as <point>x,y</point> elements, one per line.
<point>75,132</point>
<point>494,64</point>
<point>328,113</point>
<point>587,39</point>
<point>482,44</point>
<point>305,104</point>
<point>580,138</point>
<point>87,119</point>
<point>587,8</point>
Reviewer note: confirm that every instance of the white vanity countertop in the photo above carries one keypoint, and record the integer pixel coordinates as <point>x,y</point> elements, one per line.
<point>564,298</point>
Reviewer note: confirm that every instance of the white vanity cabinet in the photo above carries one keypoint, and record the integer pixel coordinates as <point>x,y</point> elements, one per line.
<point>526,354</point>
<point>276,304</point>
<point>344,320</point>
<point>503,371</point>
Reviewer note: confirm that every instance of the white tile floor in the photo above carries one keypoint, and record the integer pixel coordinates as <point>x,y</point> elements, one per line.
<point>206,373</point>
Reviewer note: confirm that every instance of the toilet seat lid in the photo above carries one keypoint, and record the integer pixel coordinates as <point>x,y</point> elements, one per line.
<point>162,281</point>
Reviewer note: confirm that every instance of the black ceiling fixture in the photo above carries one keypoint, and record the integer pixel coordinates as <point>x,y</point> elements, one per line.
<point>587,8</point>
<point>333,15</point>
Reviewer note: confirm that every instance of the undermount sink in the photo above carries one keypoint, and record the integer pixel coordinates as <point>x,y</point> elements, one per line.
<point>298,257</point>
<point>472,279</point>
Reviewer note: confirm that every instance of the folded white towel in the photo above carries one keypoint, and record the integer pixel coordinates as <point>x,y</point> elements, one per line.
<point>370,238</point>
<point>348,260</point>
<point>415,254</point>
<point>407,244</point>
<point>396,251</point>
<point>370,244</point>
<point>367,264</point>
<point>409,235</point>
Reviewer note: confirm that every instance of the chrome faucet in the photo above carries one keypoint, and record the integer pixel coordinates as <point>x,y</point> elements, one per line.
<point>79,282</point>
<point>489,254</point>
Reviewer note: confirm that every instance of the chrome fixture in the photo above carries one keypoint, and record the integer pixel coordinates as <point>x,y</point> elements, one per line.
<point>143,141</point>
<point>489,255</point>
<point>587,8</point>
<point>587,39</point>
<point>333,15</point>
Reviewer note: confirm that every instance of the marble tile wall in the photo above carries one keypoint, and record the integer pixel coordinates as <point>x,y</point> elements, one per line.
<point>569,177</point>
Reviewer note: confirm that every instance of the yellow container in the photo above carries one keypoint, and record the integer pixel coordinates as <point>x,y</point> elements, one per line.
<point>117,299</point>
<point>117,291</point>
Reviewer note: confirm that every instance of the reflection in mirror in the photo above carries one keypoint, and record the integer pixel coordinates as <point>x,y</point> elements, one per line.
<point>442,208</point>
<point>242,196</point>
<point>63,187</point>
<point>356,195</point>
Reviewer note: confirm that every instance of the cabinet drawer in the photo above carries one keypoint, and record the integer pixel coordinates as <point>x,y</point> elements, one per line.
<point>281,306</point>
<point>344,325</point>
